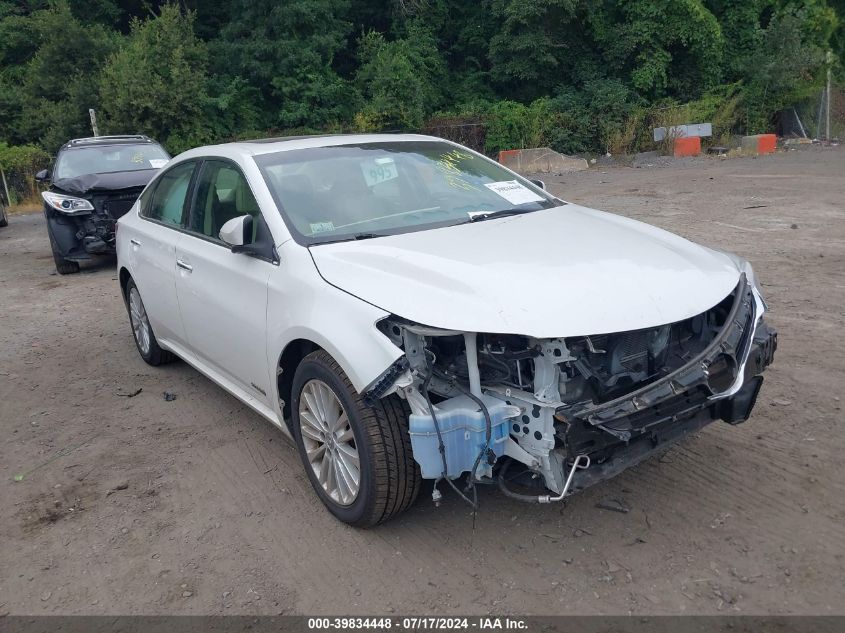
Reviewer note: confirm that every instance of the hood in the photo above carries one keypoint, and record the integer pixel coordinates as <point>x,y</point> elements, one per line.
<point>566,271</point>
<point>105,182</point>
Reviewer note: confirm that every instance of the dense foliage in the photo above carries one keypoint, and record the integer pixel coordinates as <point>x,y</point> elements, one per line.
<point>578,75</point>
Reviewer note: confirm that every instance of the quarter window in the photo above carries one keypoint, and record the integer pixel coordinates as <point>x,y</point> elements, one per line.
<point>168,198</point>
<point>222,193</point>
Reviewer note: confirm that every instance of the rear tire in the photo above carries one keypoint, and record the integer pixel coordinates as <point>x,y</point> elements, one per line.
<point>63,266</point>
<point>388,477</point>
<point>3,219</point>
<point>142,331</point>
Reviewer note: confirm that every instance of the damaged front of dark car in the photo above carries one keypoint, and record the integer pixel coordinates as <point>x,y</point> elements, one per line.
<point>93,183</point>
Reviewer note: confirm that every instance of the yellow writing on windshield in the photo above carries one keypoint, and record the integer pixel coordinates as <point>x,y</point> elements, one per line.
<point>449,164</point>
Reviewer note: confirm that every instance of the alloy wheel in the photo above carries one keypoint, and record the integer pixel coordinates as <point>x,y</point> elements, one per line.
<point>329,442</point>
<point>140,322</point>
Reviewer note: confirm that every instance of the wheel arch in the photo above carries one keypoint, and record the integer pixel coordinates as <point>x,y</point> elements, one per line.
<point>362,358</point>
<point>124,276</point>
<point>289,360</point>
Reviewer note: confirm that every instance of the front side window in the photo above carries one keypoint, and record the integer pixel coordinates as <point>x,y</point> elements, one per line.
<point>106,159</point>
<point>340,192</point>
<point>222,193</point>
<point>168,198</point>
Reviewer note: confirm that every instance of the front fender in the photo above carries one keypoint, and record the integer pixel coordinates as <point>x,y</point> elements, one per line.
<point>302,305</point>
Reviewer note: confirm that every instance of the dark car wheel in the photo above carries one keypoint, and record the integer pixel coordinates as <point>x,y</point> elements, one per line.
<point>358,458</point>
<point>63,266</point>
<point>142,332</point>
<point>3,220</point>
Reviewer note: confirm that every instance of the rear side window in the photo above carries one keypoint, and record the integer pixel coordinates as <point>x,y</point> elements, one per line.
<point>168,198</point>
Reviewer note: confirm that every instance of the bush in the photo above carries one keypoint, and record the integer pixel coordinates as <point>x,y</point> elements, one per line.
<point>49,68</point>
<point>721,106</point>
<point>512,125</point>
<point>604,116</point>
<point>784,69</point>
<point>19,165</point>
<point>400,80</point>
<point>157,83</point>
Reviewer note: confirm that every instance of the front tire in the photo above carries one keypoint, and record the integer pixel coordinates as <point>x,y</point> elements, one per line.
<point>358,458</point>
<point>142,331</point>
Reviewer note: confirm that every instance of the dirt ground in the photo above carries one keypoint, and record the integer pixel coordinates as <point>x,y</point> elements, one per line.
<point>137,505</point>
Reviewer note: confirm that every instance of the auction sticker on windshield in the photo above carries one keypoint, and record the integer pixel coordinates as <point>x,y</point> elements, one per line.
<point>514,192</point>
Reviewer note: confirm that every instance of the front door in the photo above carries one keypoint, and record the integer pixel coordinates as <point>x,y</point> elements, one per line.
<point>223,295</point>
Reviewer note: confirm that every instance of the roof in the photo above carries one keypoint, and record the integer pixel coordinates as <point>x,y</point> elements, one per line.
<point>107,140</point>
<point>271,145</point>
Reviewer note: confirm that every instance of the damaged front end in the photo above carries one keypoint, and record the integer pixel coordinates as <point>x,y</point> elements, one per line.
<point>576,410</point>
<point>82,224</point>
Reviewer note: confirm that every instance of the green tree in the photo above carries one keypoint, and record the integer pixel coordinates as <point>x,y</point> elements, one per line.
<point>580,75</point>
<point>535,44</point>
<point>59,80</point>
<point>399,80</point>
<point>157,83</point>
<point>283,53</point>
<point>742,23</point>
<point>666,47</point>
<point>786,67</point>
<point>838,37</point>
<point>18,44</point>
<point>461,31</point>
<point>18,165</point>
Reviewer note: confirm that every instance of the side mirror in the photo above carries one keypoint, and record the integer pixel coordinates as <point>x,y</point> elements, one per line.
<point>43,175</point>
<point>238,234</point>
<point>539,183</point>
<point>237,231</point>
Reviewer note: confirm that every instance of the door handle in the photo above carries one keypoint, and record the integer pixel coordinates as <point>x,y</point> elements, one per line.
<point>135,242</point>
<point>183,265</point>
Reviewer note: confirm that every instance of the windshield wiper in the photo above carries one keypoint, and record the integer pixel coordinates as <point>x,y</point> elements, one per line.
<point>478,216</point>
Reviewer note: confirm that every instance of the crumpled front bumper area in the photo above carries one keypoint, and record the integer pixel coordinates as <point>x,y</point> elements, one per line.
<point>78,237</point>
<point>721,383</point>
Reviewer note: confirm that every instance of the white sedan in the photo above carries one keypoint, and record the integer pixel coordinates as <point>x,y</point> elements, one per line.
<point>406,308</point>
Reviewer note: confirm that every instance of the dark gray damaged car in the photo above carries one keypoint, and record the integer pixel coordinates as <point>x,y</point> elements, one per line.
<point>94,181</point>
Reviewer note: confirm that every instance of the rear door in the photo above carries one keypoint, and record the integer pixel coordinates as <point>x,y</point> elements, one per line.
<point>153,249</point>
<point>223,295</point>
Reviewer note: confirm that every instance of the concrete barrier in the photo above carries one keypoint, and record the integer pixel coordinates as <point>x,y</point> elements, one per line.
<point>540,160</point>
<point>759,143</point>
<point>687,146</point>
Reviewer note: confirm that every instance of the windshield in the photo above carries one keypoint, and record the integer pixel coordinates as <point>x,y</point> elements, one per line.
<point>105,159</point>
<point>342,192</point>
